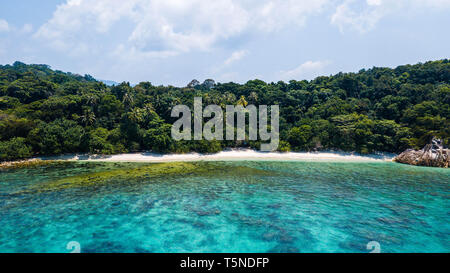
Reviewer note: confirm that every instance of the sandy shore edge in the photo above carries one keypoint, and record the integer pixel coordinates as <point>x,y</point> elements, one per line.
<point>235,155</point>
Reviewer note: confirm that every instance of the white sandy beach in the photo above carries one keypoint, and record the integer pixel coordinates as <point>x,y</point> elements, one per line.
<point>235,154</point>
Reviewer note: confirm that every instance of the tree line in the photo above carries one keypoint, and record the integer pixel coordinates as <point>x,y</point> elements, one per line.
<point>48,112</point>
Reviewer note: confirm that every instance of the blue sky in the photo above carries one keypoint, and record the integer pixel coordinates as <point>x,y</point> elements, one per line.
<point>175,41</point>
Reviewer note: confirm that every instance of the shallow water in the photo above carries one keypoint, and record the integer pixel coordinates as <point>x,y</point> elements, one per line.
<point>233,206</point>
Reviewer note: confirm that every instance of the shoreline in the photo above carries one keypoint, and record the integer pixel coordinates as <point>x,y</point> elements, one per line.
<point>229,155</point>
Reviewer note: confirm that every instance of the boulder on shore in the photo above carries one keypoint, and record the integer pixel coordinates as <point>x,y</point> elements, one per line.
<point>432,155</point>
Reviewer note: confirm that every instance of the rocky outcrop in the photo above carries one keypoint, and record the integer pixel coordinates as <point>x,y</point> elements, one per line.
<point>432,155</point>
<point>34,162</point>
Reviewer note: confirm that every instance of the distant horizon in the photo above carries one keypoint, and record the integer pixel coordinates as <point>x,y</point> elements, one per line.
<point>106,81</point>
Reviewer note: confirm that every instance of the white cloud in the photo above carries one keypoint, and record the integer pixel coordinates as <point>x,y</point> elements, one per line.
<point>374,2</point>
<point>137,39</point>
<point>346,16</point>
<point>307,70</point>
<point>236,56</point>
<point>27,28</point>
<point>157,25</point>
<point>165,27</point>
<point>276,14</point>
<point>77,21</point>
<point>183,26</point>
<point>4,26</point>
<point>363,16</point>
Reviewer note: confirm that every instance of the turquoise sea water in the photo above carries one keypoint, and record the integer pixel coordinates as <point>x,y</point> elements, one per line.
<point>240,206</point>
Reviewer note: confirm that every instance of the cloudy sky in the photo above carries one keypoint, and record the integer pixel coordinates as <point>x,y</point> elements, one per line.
<point>175,41</point>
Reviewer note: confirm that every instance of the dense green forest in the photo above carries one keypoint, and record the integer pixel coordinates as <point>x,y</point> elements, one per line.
<point>46,112</point>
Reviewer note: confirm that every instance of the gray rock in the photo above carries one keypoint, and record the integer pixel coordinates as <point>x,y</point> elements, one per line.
<point>432,155</point>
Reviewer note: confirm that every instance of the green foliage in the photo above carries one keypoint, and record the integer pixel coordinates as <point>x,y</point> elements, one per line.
<point>299,137</point>
<point>158,139</point>
<point>46,112</point>
<point>8,102</point>
<point>98,142</point>
<point>14,148</point>
<point>11,126</point>
<point>284,146</point>
<point>57,137</point>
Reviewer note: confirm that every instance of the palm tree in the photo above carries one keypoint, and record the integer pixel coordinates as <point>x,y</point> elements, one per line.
<point>88,117</point>
<point>128,100</point>
<point>91,100</point>
<point>253,98</point>
<point>242,101</point>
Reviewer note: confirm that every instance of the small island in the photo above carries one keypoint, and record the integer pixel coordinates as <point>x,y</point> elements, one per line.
<point>44,112</point>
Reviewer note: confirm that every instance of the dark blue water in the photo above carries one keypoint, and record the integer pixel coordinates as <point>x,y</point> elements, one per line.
<point>231,207</point>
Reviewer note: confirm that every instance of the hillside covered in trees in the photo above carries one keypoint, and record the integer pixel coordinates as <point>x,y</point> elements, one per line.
<point>46,112</point>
